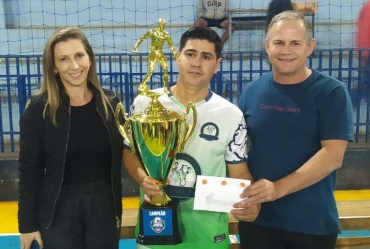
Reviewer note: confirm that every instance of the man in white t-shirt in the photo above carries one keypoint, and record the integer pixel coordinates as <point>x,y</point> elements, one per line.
<point>217,145</point>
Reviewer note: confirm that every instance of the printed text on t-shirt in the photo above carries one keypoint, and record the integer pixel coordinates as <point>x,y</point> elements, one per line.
<point>279,108</point>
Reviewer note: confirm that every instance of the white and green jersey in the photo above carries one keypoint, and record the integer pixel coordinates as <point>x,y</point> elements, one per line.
<point>220,137</point>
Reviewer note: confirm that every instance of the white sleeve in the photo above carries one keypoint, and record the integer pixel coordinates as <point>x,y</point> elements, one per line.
<point>237,148</point>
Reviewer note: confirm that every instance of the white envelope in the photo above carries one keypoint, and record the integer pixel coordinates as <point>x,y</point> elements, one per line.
<point>218,194</point>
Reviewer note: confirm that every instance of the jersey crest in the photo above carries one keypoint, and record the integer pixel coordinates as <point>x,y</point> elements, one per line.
<point>179,172</point>
<point>209,131</point>
<point>183,176</point>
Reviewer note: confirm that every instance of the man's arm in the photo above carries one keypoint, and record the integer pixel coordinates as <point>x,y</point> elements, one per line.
<point>242,212</point>
<point>133,166</point>
<point>239,171</point>
<point>325,161</point>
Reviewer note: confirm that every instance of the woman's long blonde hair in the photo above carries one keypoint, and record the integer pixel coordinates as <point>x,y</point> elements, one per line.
<point>51,84</point>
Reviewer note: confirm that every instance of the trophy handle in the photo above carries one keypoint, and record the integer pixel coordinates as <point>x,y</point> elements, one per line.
<point>188,131</point>
<point>125,128</point>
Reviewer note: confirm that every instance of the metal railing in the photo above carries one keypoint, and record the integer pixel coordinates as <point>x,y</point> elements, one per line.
<point>20,78</point>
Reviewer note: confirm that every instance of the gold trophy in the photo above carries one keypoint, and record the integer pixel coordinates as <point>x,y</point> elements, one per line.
<point>156,135</point>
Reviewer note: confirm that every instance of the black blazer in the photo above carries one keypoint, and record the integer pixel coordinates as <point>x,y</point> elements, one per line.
<point>42,155</point>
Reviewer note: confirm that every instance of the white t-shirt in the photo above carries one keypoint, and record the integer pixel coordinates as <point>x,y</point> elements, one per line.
<point>219,137</point>
<point>213,9</point>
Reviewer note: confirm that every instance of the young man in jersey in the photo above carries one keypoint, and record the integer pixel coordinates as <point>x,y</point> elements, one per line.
<point>299,123</point>
<point>217,145</point>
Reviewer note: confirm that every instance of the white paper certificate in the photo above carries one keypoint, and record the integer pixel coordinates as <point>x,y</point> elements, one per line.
<point>218,194</point>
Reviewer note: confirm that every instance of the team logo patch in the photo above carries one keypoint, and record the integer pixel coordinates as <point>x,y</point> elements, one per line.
<point>183,177</point>
<point>209,131</point>
<point>157,224</point>
<point>180,172</point>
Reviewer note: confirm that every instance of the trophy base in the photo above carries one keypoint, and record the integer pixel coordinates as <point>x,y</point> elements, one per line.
<point>159,224</point>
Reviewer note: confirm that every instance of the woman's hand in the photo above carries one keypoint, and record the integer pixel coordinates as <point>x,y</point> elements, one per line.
<point>27,238</point>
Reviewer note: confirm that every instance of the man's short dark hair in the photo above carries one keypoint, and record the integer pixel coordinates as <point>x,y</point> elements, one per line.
<point>202,33</point>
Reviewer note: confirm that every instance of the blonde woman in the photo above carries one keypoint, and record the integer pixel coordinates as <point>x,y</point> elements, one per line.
<point>70,153</point>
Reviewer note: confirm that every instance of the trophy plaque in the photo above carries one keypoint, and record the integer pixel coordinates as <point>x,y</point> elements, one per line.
<point>155,136</point>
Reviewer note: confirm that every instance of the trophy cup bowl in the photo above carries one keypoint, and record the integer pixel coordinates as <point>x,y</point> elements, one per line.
<point>155,136</point>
